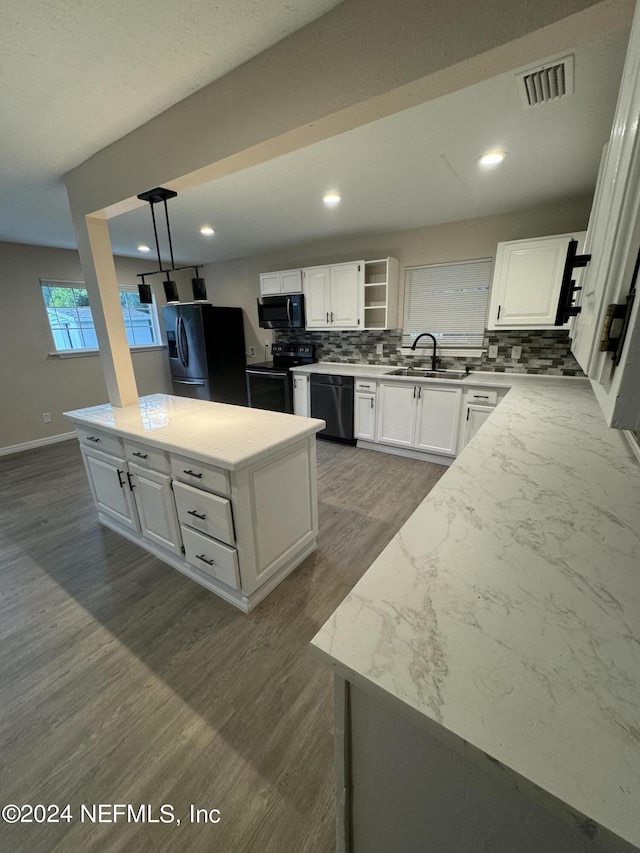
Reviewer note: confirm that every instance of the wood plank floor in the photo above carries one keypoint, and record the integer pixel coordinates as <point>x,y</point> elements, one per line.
<point>122,681</point>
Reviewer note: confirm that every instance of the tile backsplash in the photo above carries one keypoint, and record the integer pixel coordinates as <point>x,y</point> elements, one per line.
<point>544,351</point>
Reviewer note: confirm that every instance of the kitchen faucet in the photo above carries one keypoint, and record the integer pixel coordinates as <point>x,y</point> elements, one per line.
<point>434,360</point>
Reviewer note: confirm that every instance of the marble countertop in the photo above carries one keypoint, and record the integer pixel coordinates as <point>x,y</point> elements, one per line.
<point>506,611</point>
<point>384,371</point>
<point>231,437</point>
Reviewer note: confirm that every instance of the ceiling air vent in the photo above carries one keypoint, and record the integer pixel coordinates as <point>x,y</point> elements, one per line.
<point>546,83</point>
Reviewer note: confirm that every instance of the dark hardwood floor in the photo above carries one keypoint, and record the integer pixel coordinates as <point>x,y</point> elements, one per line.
<point>122,681</point>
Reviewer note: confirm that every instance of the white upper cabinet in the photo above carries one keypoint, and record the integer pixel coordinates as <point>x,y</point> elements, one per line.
<point>381,294</point>
<point>334,296</point>
<point>284,281</point>
<point>608,347</point>
<point>527,280</point>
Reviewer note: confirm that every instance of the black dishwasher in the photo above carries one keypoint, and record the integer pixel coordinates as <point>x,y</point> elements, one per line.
<point>332,401</point>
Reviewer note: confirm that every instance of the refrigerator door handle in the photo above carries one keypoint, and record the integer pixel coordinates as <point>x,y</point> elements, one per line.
<point>183,343</point>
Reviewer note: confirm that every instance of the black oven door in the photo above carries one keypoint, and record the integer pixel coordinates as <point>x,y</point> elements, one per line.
<point>270,389</point>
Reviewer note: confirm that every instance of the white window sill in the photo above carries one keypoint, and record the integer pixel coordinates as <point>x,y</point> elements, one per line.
<point>443,352</point>
<point>77,353</point>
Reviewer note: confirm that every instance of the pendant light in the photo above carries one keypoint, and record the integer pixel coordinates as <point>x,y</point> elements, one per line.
<point>161,194</point>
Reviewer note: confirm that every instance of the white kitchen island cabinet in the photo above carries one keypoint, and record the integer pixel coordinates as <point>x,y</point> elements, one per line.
<point>225,494</point>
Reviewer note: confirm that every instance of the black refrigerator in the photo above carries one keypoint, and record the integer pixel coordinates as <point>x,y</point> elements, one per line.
<point>206,351</point>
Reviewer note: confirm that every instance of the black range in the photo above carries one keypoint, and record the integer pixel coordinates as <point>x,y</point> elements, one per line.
<point>270,384</point>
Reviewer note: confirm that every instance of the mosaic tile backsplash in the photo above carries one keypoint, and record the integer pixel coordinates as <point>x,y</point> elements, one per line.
<point>544,351</point>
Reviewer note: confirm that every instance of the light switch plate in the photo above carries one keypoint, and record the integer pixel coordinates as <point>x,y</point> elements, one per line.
<point>516,352</point>
<point>379,349</point>
<point>493,351</point>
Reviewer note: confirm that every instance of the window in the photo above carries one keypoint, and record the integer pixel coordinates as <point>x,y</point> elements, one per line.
<point>71,320</point>
<point>448,300</point>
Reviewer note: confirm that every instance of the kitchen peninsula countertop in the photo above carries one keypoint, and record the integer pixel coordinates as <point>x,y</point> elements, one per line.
<point>231,437</point>
<point>506,611</point>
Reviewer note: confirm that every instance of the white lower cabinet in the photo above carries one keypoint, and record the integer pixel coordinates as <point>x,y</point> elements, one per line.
<point>437,419</point>
<point>365,410</point>
<point>110,488</point>
<point>397,414</point>
<point>156,508</point>
<point>301,404</point>
<point>421,417</point>
<point>475,416</point>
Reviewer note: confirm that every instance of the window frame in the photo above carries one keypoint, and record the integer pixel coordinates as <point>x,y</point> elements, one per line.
<point>89,351</point>
<point>452,349</point>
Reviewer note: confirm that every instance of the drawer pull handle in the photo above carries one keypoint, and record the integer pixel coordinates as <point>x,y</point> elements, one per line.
<point>140,455</point>
<point>93,438</point>
<point>197,514</point>
<point>192,473</point>
<point>204,560</point>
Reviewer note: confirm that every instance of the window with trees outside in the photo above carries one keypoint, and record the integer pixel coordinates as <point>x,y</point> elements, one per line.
<point>71,320</point>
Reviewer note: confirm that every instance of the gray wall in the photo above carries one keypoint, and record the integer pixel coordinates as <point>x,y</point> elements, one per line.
<point>32,381</point>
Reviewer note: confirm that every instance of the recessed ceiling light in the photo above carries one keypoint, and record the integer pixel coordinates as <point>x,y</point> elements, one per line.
<point>332,199</point>
<point>492,158</point>
<point>207,230</point>
<point>143,248</point>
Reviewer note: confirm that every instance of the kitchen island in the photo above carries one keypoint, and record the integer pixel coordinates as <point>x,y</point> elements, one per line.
<point>225,494</point>
<point>487,666</point>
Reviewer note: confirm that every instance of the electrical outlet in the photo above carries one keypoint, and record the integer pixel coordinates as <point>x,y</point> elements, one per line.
<point>46,417</point>
<point>516,352</point>
<point>493,351</point>
<point>252,351</point>
<point>379,349</point>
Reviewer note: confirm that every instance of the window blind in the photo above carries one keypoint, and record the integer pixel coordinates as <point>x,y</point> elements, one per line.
<point>448,300</point>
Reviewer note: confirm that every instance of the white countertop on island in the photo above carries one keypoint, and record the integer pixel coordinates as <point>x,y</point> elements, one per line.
<point>231,437</point>
<point>506,612</point>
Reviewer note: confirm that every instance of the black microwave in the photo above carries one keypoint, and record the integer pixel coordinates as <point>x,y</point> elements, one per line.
<point>281,312</point>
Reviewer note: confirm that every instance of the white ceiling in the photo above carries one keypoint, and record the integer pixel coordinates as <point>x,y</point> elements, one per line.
<point>76,81</point>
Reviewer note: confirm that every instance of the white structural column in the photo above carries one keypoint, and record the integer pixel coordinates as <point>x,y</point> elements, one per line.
<point>96,257</point>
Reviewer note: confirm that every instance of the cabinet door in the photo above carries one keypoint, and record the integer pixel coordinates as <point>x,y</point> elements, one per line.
<point>475,417</point>
<point>291,281</point>
<point>438,419</point>
<point>269,283</point>
<point>111,493</point>
<point>397,416</point>
<point>317,281</point>
<point>365,416</point>
<point>156,508</point>
<point>301,396</point>
<point>347,284</point>
<point>526,283</point>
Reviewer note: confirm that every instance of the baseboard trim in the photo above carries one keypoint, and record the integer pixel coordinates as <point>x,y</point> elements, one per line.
<point>422,456</point>
<point>38,442</point>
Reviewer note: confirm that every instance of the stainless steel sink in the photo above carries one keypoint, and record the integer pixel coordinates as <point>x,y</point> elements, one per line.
<point>419,373</point>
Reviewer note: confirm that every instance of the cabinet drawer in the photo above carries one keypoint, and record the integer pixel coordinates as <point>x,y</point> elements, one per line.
<point>211,557</point>
<point>368,386</point>
<point>146,457</point>
<point>206,512</point>
<point>99,440</point>
<point>483,396</point>
<point>200,475</point>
